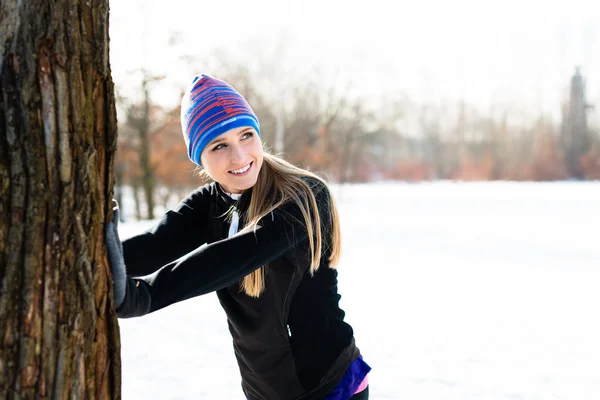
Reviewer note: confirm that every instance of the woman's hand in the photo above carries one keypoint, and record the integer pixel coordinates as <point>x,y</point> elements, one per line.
<point>115,256</point>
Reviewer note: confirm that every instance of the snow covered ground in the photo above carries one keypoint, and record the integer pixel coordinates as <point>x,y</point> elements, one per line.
<point>455,291</point>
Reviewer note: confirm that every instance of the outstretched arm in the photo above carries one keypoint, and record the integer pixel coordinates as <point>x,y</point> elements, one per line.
<point>220,264</point>
<point>179,231</point>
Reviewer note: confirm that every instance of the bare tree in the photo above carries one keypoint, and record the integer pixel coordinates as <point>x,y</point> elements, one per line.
<point>140,119</point>
<point>59,337</point>
<point>576,137</point>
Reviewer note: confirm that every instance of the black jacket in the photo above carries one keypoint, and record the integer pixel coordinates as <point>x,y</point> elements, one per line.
<point>291,342</point>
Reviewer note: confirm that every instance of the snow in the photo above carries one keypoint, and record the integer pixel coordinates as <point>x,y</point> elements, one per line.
<point>454,290</point>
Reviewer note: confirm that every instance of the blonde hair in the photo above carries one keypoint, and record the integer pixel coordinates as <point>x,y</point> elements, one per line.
<point>278,183</point>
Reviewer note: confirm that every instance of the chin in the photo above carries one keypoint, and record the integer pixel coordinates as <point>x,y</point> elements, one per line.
<point>239,187</point>
<point>240,184</point>
<point>248,185</point>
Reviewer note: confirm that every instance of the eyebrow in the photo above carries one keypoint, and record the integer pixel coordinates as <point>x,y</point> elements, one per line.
<point>219,140</point>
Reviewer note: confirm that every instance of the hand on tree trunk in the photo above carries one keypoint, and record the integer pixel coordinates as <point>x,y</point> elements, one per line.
<point>115,256</point>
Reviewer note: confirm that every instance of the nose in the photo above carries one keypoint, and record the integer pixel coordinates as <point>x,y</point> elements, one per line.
<point>238,155</point>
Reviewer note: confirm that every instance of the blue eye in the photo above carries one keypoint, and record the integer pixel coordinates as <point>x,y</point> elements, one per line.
<point>248,135</point>
<point>218,147</point>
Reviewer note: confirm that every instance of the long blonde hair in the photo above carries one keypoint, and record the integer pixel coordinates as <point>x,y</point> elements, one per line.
<point>278,183</point>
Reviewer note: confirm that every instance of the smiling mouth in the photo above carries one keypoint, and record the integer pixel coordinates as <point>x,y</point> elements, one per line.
<point>241,171</point>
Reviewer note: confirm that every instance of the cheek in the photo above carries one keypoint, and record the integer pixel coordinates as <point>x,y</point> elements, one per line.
<point>211,163</point>
<point>257,149</point>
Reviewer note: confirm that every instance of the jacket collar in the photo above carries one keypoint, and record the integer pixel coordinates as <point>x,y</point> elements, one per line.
<point>242,203</point>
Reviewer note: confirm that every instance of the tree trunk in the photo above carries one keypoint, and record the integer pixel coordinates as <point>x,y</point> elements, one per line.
<point>59,337</point>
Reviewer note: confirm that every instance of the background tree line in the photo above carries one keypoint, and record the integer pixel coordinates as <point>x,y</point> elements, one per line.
<point>330,130</point>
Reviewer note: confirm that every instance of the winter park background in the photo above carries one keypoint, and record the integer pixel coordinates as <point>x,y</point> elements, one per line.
<point>462,142</point>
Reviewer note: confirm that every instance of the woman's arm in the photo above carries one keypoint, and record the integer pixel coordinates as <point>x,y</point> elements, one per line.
<point>180,231</point>
<point>223,263</point>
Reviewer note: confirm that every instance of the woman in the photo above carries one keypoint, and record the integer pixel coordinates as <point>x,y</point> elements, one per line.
<point>265,236</point>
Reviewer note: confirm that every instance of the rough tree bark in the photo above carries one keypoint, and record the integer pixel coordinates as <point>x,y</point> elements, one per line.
<point>59,336</point>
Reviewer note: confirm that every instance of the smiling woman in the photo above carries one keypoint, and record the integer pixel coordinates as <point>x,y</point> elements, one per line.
<point>234,159</point>
<point>275,278</point>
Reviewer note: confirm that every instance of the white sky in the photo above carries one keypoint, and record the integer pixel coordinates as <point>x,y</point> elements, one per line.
<point>503,52</point>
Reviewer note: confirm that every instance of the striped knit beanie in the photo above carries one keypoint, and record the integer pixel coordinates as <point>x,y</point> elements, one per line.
<point>211,107</point>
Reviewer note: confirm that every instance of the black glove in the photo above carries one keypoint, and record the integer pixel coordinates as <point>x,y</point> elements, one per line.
<point>115,256</point>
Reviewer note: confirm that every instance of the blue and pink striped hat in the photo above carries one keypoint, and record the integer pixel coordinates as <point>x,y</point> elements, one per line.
<point>211,107</point>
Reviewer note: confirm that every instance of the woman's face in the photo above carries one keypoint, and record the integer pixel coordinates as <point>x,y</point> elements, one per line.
<point>234,159</point>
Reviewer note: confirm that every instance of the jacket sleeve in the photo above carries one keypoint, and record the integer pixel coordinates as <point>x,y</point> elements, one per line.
<point>220,264</point>
<point>179,231</point>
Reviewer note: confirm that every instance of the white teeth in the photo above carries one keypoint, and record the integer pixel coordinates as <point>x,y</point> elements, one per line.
<point>242,170</point>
